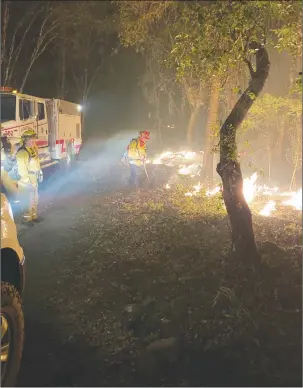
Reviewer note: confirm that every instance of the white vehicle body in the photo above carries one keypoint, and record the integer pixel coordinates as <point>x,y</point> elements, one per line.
<point>56,122</point>
<point>9,237</point>
<point>12,287</point>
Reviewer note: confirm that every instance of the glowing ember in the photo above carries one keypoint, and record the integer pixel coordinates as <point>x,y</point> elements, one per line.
<point>188,154</point>
<point>197,187</point>
<point>192,170</point>
<point>159,159</point>
<point>170,158</point>
<point>295,200</point>
<point>167,186</point>
<point>268,209</point>
<point>265,190</point>
<point>184,170</point>
<point>249,187</point>
<point>287,194</point>
<point>212,192</point>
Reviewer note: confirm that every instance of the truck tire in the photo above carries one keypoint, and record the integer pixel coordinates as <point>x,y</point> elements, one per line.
<point>12,334</point>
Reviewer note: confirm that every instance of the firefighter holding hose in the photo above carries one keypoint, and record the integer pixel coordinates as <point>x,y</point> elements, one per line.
<point>30,175</point>
<point>136,156</point>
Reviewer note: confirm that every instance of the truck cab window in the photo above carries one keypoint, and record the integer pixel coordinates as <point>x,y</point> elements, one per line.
<point>25,109</point>
<point>8,107</point>
<point>41,112</point>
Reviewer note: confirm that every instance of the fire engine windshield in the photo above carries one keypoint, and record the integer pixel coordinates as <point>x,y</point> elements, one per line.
<point>8,107</point>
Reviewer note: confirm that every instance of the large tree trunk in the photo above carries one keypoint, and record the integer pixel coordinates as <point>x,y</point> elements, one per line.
<point>231,95</point>
<point>243,240</point>
<point>211,121</point>
<point>194,114</point>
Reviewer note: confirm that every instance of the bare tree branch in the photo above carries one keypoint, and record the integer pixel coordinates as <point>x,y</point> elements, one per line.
<point>96,72</point>
<point>76,80</point>
<point>4,29</point>
<point>15,53</point>
<point>42,42</point>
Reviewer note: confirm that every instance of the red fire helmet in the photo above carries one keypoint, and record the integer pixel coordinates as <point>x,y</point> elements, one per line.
<point>145,135</point>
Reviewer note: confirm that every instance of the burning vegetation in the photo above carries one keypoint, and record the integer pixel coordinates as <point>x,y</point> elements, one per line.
<point>263,199</point>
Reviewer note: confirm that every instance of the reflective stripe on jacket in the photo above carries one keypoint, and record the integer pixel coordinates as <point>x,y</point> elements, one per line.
<point>28,165</point>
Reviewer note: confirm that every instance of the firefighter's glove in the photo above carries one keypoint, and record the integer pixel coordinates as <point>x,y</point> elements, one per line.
<point>40,176</point>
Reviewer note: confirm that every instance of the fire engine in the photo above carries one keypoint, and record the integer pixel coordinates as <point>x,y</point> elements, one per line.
<point>58,124</point>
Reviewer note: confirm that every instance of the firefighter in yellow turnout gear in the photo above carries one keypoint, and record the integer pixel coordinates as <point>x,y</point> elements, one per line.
<point>8,185</point>
<point>30,175</point>
<point>136,155</point>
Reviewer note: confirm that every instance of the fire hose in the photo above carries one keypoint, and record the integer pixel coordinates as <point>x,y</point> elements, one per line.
<point>144,165</point>
<point>125,162</point>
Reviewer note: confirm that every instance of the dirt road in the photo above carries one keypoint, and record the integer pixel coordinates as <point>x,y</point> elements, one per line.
<point>50,359</point>
<point>126,290</point>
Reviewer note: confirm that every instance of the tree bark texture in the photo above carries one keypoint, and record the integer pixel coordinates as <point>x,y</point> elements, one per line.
<point>231,96</point>
<point>243,240</point>
<point>211,121</point>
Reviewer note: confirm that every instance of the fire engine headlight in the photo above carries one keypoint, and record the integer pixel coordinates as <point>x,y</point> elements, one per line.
<point>79,108</point>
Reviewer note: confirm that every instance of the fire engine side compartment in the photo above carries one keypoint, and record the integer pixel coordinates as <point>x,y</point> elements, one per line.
<point>52,114</point>
<point>64,128</point>
<point>69,125</point>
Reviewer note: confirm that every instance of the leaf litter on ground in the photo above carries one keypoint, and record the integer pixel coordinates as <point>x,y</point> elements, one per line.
<point>152,270</point>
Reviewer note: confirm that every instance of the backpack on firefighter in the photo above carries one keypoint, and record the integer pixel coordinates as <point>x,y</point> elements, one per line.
<point>129,153</point>
<point>12,166</point>
<point>136,152</point>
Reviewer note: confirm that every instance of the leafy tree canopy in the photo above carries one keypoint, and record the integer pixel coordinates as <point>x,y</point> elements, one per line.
<point>212,37</point>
